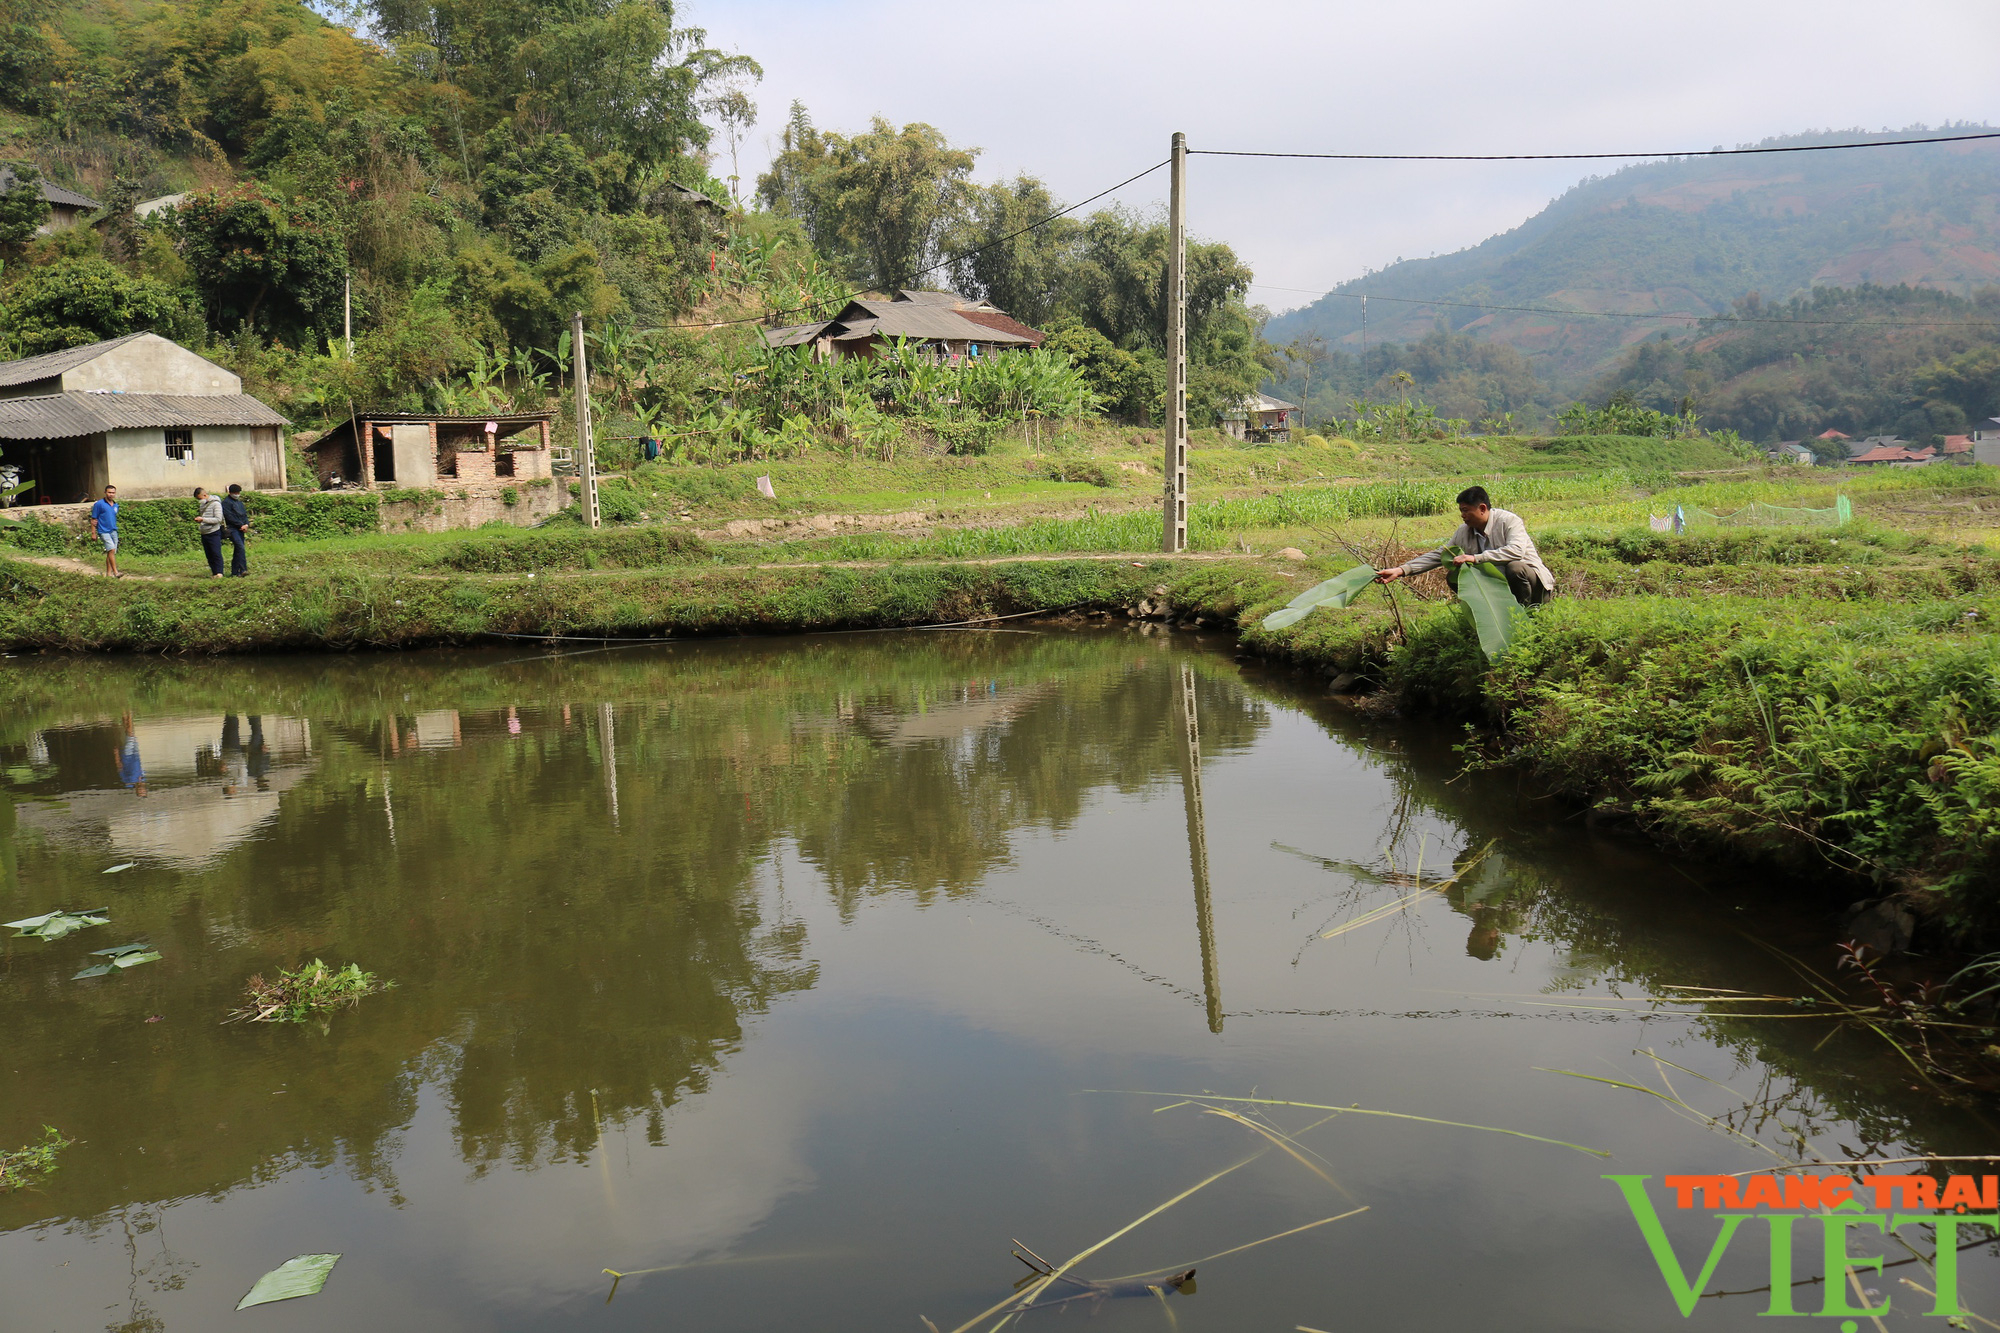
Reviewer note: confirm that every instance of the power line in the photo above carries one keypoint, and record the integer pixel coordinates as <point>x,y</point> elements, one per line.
<point>1575,157</point>
<point>1657,314</point>
<point>960,257</point>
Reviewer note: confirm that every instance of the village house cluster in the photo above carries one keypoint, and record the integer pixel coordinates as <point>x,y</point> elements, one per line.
<point>1834,447</point>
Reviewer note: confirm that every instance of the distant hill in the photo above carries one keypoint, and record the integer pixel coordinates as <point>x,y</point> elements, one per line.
<point>1691,236</point>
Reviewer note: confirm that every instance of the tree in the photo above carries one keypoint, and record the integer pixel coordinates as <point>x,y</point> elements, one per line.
<point>76,301</point>
<point>273,265</point>
<point>884,202</point>
<point>1970,382</point>
<point>1024,269</point>
<point>736,113</point>
<point>1128,385</point>
<point>22,208</point>
<point>615,75</point>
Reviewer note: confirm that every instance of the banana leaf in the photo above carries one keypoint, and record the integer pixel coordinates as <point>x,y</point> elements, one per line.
<point>1338,591</point>
<point>302,1276</point>
<point>59,923</point>
<point>1495,613</point>
<point>118,957</point>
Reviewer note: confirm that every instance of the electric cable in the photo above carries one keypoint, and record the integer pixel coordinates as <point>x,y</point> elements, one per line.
<point>1576,157</point>
<point>960,257</point>
<point>1658,314</point>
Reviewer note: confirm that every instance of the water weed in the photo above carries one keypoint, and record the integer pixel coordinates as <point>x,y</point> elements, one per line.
<point>313,988</point>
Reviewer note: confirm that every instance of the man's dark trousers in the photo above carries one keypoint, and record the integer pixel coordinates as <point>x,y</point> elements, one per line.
<point>211,546</point>
<point>239,560</point>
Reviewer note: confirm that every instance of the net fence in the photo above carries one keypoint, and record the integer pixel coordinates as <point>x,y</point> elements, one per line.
<point>1755,515</point>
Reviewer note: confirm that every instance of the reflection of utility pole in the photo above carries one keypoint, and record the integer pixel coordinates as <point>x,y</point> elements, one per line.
<point>387,808</point>
<point>607,742</point>
<point>1197,834</point>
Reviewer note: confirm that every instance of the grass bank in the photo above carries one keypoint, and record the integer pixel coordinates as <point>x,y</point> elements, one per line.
<point>53,610</point>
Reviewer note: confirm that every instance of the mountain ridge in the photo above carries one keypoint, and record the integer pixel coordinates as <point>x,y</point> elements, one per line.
<point>1670,241</point>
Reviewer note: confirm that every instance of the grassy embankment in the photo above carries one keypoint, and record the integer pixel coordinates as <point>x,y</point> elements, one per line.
<point>1808,697</point>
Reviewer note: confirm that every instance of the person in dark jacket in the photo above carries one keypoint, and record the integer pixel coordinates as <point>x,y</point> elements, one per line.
<point>236,526</point>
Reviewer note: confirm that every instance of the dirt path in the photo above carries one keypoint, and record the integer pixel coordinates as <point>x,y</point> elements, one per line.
<point>71,565</point>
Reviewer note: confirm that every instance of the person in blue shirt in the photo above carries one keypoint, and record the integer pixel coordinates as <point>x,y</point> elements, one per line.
<point>104,518</point>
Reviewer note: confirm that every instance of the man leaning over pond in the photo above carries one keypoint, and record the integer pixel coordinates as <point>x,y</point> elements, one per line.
<point>1497,536</point>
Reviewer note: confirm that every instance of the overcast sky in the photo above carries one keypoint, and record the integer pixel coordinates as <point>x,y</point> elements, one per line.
<point>1084,93</point>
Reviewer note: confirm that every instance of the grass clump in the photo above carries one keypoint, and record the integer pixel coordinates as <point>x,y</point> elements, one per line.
<point>313,988</point>
<point>34,1163</point>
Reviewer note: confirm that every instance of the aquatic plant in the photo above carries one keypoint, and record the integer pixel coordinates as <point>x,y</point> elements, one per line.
<point>310,989</point>
<point>34,1163</point>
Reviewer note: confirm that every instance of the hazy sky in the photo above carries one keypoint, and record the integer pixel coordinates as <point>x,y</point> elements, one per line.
<point>1086,92</point>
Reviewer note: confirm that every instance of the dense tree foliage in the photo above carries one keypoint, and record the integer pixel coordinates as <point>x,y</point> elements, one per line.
<point>1461,376</point>
<point>1863,360</point>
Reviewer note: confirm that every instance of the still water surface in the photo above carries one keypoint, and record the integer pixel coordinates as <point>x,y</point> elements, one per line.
<point>812,974</point>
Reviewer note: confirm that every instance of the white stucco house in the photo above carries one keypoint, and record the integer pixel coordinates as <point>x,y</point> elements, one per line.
<point>141,413</point>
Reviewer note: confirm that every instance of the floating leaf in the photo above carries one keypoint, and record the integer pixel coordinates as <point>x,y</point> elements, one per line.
<point>54,925</point>
<point>126,865</point>
<point>1338,591</point>
<point>118,956</point>
<point>302,1276</point>
<point>1495,613</point>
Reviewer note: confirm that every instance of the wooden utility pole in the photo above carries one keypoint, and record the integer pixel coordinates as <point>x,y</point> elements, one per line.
<point>1173,534</point>
<point>586,452</point>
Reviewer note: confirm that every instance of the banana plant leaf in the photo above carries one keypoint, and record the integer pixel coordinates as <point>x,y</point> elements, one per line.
<point>117,958</point>
<point>1338,591</point>
<point>59,923</point>
<point>1495,613</point>
<point>301,1276</point>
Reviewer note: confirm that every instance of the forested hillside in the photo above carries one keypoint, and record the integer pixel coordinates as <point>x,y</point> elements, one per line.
<point>479,171</point>
<point>1690,237</point>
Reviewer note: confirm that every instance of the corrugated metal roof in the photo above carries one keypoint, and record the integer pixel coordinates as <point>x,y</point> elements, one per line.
<point>51,364</point>
<point>922,296</point>
<point>59,416</point>
<point>906,319</point>
<point>60,196</point>
<point>1004,323</point>
<point>793,336</point>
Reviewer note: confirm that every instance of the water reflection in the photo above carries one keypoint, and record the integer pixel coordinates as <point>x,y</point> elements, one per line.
<point>810,946</point>
<point>179,791</point>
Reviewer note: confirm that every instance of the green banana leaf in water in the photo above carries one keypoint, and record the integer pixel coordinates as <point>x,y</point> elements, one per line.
<point>302,1276</point>
<point>1495,613</point>
<point>119,957</point>
<point>1338,591</point>
<point>54,925</point>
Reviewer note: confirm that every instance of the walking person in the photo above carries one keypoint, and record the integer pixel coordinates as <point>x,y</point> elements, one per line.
<point>1488,536</point>
<point>104,518</point>
<point>236,526</point>
<point>210,526</point>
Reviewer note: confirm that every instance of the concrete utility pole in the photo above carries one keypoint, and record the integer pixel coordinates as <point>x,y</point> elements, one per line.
<point>1173,534</point>
<point>347,312</point>
<point>586,452</point>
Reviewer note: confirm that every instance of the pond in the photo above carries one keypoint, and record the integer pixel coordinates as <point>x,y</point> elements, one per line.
<point>805,981</point>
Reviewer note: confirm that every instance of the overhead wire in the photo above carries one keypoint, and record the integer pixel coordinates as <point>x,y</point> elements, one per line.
<point>1643,314</point>
<point>1580,157</point>
<point>964,255</point>
<point>958,258</point>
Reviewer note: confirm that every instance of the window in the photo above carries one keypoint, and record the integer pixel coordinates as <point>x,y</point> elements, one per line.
<point>180,444</point>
